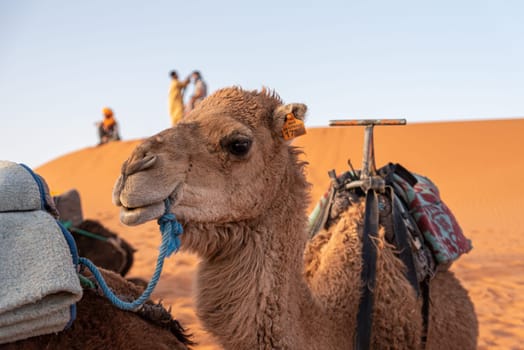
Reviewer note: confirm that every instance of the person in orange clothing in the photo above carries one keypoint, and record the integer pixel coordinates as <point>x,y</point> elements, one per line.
<point>108,127</point>
<point>176,94</point>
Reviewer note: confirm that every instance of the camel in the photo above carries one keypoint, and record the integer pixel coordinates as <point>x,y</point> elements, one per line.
<point>239,189</point>
<point>100,325</point>
<point>114,253</point>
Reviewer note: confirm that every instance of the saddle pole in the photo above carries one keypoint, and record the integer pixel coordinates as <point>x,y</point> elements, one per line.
<point>371,184</point>
<point>368,156</point>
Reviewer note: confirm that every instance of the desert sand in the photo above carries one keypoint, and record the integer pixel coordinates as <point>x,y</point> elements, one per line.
<point>478,167</point>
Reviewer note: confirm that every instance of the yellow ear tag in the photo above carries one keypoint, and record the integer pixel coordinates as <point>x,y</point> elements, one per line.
<point>293,127</point>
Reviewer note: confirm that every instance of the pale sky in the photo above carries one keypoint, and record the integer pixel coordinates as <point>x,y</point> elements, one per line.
<point>61,62</point>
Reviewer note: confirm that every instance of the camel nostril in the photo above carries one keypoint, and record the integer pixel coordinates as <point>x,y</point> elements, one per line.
<point>141,164</point>
<point>148,161</point>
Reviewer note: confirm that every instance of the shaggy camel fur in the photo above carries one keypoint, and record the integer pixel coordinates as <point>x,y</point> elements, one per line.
<point>240,192</point>
<point>100,325</point>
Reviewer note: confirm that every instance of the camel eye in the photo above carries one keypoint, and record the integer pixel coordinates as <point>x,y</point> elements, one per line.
<point>238,147</point>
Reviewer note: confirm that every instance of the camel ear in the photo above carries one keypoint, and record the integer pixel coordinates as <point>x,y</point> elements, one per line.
<point>288,120</point>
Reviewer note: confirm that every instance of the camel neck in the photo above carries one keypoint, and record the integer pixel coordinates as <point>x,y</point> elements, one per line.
<point>245,296</point>
<point>250,289</point>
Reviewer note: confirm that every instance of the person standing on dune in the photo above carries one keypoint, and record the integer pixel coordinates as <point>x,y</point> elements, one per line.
<point>176,93</point>
<point>199,92</point>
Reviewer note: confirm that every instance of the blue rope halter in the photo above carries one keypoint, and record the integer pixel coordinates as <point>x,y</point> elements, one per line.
<point>171,230</point>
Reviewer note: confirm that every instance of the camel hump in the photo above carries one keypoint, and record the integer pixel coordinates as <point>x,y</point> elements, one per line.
<point>431,224</point>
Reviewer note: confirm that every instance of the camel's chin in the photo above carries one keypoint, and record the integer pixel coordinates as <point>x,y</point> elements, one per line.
<point>137,216</point>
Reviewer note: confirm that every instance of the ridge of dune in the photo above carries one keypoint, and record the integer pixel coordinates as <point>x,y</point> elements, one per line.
<point>477,165</point>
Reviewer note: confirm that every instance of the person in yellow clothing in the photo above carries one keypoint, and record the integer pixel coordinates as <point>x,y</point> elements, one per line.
<point>108,127</point>
<point>176,94</point>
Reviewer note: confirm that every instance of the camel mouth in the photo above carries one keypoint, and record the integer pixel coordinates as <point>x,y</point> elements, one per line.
<point>152,211</point>
<point>140,215</point>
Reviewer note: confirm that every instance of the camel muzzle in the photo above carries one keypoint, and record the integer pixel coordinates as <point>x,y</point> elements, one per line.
<point>130,167</point>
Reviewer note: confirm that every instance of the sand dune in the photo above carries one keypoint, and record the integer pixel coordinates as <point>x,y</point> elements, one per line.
<point>478,167</point>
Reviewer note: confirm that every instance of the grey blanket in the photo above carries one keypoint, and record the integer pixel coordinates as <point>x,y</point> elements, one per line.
<point>39,285</point>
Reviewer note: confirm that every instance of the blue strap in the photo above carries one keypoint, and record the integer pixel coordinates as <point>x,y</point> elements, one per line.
<point>171,229</point>
<point>69,239</point>
<point>74,254</point>
<point>70,242</point>
<point>39,184</point>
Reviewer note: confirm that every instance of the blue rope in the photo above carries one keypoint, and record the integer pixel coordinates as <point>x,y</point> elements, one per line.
<point>171,230</point>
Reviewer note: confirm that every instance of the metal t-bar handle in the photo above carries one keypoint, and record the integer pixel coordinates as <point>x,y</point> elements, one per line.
<point>368,158</point>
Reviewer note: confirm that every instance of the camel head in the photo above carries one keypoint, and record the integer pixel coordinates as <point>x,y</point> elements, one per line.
<point>224,162</point>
